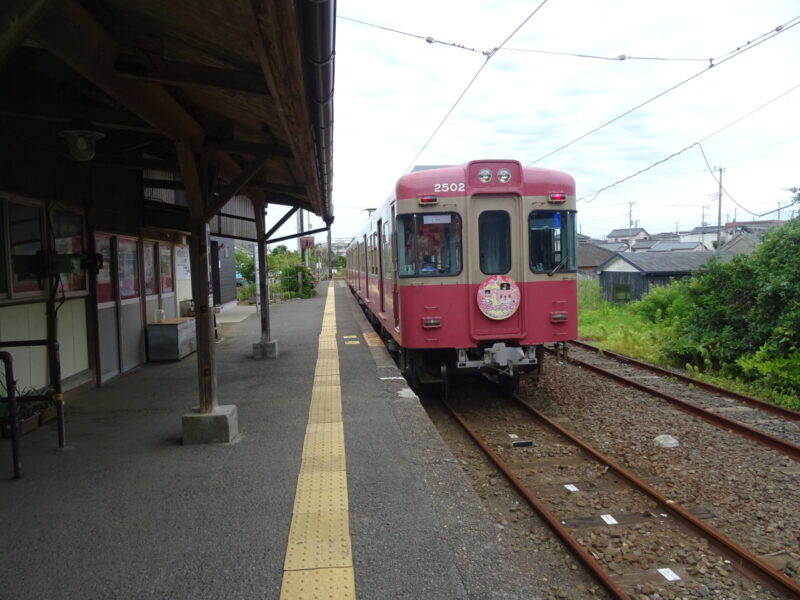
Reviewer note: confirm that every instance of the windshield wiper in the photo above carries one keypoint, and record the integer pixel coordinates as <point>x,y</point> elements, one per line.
<point>564,261</point>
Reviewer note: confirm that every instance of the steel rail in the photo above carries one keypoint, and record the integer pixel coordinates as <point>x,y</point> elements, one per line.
<point>602,576</point>
<point>784,447</point>
<point>709,387</point>
<point>742,559</point>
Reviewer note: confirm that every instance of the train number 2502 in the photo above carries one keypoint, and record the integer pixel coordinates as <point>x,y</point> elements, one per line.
<point>449,187</point>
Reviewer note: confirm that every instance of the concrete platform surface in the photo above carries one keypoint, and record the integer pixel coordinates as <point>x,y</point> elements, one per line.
<point>126,511</point>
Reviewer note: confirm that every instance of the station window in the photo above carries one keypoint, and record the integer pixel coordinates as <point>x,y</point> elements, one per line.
<point>494,239</point>
<point>552,241</point>
<point>3,254</point>
<point>149,258</point>
<point>165,268</point>
<point>429,245</point>
<point>128,268</point>
<point>25,237</point>
<point>67,230</point>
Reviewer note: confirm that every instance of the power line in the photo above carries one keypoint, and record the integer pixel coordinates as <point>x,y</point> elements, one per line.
<point>620,57</point>
<point>431,40</point>
<point>489,56</point>
<point>714,177</point>
<point>425,38</point>
<point>698,143</point>
<point>741,49</point>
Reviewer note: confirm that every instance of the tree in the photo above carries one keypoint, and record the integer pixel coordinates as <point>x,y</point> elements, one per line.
<point>280,258</point>
<point>245,266</point>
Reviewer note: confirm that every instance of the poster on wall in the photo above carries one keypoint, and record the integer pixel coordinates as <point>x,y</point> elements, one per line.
<point>183,270</point>
<point>105,292</point>
<point>128,268</point>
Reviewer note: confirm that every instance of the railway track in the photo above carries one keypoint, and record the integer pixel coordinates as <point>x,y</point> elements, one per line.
<point>627,533</point>
<point>775,427</point>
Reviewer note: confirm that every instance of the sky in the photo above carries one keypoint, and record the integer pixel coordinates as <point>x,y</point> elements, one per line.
<point>532,100</point>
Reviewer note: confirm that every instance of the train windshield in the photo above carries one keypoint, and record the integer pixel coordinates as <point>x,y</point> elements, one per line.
<point>494,239</point>
<point>552,241</point>
<point>429,245</point>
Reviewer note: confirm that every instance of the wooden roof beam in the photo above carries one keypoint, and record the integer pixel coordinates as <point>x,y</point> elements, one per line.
<point>249,148</point>
<point>106,118</point>
<point>70,33</point>
<point>265,186</point>
<point>278,47</point>
<point>17,19</point>
<point>178,73</point>
<point>215,203</point>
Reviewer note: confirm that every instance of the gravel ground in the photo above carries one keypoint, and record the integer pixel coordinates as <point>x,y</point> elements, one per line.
<point>752,491</point>
<point>724,406</point>
<point>746,491</point>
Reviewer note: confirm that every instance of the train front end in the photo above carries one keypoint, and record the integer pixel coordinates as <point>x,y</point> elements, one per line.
<point>486,269</point>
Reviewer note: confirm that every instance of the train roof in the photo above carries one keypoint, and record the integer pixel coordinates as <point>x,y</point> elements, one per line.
<point>526,181</point>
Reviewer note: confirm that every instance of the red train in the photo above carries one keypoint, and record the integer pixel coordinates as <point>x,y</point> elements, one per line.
<point>471,268</point>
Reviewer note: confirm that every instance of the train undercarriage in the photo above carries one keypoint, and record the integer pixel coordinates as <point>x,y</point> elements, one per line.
<point>499,362</point>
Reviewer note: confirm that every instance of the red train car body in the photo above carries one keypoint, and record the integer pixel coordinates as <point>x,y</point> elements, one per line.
<point>471,268</point>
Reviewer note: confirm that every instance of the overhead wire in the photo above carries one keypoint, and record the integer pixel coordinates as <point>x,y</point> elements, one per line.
<point>714,177</point>
<point>698,143</point>
<point>489,56</point>
<point>619,57</point>
<point>431,40</point>
<point>425,38</point>
<point>728,56</point>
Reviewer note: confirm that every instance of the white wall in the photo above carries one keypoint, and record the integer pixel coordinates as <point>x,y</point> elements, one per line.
<point>29,322</point>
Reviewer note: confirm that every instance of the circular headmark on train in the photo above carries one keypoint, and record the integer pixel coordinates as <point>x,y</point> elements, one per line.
<point>498,297</point>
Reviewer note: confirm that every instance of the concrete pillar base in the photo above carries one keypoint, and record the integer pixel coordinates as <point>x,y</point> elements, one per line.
<point>218,427</point>
<point>262,350</point>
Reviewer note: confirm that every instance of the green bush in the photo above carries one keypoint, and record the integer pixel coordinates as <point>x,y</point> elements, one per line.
<point>289,281</point>
<point>738,320</point>
<point>245,292</point>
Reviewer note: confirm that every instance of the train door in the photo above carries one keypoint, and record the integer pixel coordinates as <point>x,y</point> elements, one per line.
<point>387,289</point>
<point>391,266</point>
<point>379,265</point>
<point>497,266</point>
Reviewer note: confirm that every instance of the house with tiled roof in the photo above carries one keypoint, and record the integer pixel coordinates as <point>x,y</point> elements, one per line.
<point>629,236</point>
<point>630,275</point>
<point>591,256</point>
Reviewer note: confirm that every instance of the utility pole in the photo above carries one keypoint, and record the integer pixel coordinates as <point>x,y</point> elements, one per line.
<point>703,216</point>
<point>300,248</point>
<point>719,205</point>
<point>630,215</point>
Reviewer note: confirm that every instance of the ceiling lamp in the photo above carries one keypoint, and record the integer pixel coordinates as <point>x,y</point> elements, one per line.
<point>81,137</point>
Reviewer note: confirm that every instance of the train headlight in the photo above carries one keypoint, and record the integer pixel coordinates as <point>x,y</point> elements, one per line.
<point>504,175</point>
<point>484,175</point>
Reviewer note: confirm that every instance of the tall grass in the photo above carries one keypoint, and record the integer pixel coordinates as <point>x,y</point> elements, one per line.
<point>649,329</point>
<point>615,326</point>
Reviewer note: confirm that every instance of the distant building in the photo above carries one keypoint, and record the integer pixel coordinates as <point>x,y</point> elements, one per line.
<point>630,275</point>
<point>668,236</point>
<point>591,256</point>
<point>745,236</point>
<point>667,246</point>
<point>706,235</point>
<point>613,246</point>
<point>643,245</point>
<point>629,236</point>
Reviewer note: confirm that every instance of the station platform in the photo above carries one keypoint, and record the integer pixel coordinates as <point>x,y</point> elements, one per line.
<point>127,511</point>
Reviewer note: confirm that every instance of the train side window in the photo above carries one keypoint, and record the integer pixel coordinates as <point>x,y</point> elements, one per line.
<point>494,241</point>
<point>429,245</point>
<point>552,241</point>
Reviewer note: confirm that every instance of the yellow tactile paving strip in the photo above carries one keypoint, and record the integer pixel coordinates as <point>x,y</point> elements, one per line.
<point>319,560</point>
<point>372,338</point>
